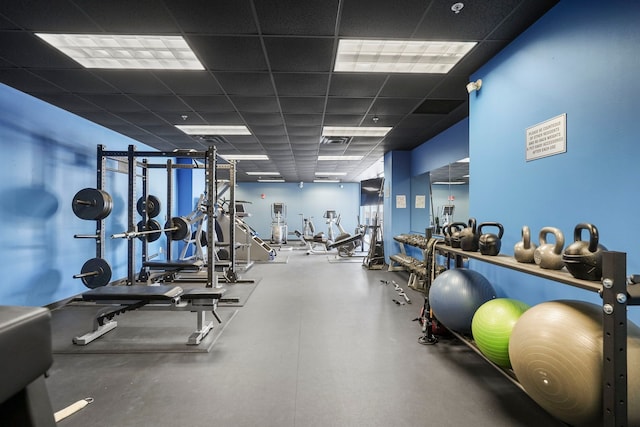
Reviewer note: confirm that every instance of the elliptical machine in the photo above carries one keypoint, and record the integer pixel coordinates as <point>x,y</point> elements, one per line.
<point>279,229</point>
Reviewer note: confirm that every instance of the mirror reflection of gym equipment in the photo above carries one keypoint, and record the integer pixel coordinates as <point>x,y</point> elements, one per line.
<point>449,193</point>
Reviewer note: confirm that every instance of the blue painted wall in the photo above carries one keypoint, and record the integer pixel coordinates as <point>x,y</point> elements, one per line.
<point>420,217</point>
<point>397,183</point>
<point>447,147</point>
<point>581,59</point>
<point>406,172</point>
<point>48,155</point>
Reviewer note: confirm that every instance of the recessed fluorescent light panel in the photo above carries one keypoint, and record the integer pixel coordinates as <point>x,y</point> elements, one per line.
<point>263,173</point>
<point>327,180</point>
<point>126,51</point>
<point>355,131</point>
<point>271,180</point>
<point>339,158</point>
<point>244,156</point>
<point>399,56</point>
<point>331,173</point>
<point>213,130</point>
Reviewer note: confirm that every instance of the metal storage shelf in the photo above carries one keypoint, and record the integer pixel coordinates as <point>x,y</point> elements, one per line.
<point>615,299</point>
<point>562,276</point>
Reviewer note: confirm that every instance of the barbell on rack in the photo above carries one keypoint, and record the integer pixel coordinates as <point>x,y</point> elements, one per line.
<point>95,272</point>
<point>92,204</point>
<point>177,228</point>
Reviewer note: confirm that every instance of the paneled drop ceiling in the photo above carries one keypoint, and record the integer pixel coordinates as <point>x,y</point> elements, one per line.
<point>268,66</point>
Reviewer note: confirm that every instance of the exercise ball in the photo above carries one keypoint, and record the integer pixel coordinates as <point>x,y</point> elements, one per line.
<point>556,354</point>
<point>492,325</point>
<point>456,294</point>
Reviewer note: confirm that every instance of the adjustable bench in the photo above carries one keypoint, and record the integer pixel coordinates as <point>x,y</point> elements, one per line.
<point>170,298</point>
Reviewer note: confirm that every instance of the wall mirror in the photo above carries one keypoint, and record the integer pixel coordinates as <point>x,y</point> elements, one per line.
<point>449,194</point>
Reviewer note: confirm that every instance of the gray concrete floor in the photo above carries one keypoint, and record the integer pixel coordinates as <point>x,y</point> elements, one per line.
<point>317,344</point>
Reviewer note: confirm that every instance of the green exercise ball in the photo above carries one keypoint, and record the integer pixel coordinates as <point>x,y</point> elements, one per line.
<point>491,328</point>
<point>556,354</point>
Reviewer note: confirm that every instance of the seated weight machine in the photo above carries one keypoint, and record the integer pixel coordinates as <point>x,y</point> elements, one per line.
<point>344,242</point>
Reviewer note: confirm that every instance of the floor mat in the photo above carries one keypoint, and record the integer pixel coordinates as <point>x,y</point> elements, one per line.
<point>236,294</point>
<point>140,331</point>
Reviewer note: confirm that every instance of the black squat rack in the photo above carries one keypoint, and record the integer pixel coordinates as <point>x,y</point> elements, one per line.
<point>129,163</point>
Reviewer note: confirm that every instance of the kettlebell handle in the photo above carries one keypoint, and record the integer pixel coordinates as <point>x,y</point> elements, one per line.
<point>472,225</point>
<point>593,233</point>
<point>492,224</point>
<point>557,249</point>
<point>526,237</point>
<point>458,226</point>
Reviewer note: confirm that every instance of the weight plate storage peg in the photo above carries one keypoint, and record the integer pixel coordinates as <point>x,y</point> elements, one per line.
<point>150,206</point>
<point>177,228</point>
<point>151,225</point>
<point>92,204</point>
<point>95,272</point>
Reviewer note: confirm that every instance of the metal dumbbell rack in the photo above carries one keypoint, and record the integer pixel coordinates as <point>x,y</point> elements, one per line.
<point>129,158</point>
<point>616,295</point>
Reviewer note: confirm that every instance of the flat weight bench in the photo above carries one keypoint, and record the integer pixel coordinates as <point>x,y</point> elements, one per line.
<point>25,356</point>
<point>162,298</point>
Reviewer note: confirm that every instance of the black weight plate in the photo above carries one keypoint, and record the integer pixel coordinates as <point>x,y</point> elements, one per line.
<point>151,206</point>
<point>203,238</point>
<point>92,204</point>
<point>182,231</point>
<point>151,225</point>
<point>100,266</point>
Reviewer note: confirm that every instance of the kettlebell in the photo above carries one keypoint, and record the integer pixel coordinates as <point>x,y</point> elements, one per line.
<point>455,230</point>
<point>584,259</point>
<point>549,255</point>
<point>469,237</point>
<point>446,235</point>
<point>489,243</point>
<point>523,250</point>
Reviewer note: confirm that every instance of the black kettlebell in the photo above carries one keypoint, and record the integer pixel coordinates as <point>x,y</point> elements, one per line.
<point>584,259</point>
<point>469,237</point>
<point>455,230</point>
<point>489,243</point>
<point>446,235</point>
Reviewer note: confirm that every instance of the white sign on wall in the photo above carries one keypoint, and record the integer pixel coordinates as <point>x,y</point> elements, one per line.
<point>547,138</point>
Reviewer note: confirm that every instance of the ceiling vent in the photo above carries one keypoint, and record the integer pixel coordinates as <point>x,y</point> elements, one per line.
<point>335,140</point>
<point>212,139</point>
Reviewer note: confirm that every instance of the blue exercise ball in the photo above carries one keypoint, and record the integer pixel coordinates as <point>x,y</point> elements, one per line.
<point>456,294</point>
